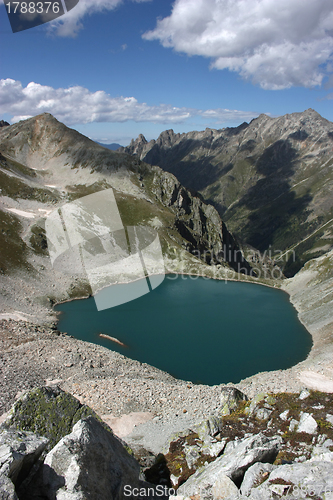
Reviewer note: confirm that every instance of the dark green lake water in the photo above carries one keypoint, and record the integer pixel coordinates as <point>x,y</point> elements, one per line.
<point>202,330</point>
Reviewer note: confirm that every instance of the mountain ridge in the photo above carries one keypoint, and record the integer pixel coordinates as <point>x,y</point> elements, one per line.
<point>44,165</point>
<point>271,179</point>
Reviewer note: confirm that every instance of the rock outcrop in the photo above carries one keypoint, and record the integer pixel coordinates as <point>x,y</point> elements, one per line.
<point>19,451</point>
<point>90,463</point>
<point>205,235</point>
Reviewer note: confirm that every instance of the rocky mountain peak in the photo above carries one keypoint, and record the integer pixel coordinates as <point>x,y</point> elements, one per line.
<point>4,124</point>
<point>137,145</point>
<point>167,138</point>
<point>271,180</point>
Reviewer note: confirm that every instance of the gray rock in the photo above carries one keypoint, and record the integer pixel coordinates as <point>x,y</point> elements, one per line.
<point>304,394</point>
<point>234,462</point>
<point>213,449</point>
<point>209,428</point>
<point>224,488</point>
<point>284,415</point>
<point>19,451</point>
<point>254,403</point>
<point>293,424</point>
<point>329,418</point>
<point>256,474</point>
<point>192,455</point>
<point>321,453</point>
<point>263,413</point>
<point>7,490</point>
<point>229,399</point>
<point>312,478</point>
<point>90,463</point>
<point>307,424</point>
<point>48,412</point>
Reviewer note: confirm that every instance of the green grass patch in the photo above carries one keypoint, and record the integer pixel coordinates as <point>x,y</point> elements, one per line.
<point>13,250</point>
<point>17,189</point>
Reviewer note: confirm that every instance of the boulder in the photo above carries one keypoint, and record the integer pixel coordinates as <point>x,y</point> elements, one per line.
<point>321,453</point>
<point>234,462</point>
<point>48,412</point>
<point>284,415</point>
<point>19,451</point>
<point>255,475</point>
<point>307,424</point>
<point>7,489</point>
<point>229,399</point>
<point>214,449</point>
<point>300,480</point>
<point>329,418</point>
<point>304,394</point>
<point>91,463</point>
<point>224,488</point>
<point>209,428</point>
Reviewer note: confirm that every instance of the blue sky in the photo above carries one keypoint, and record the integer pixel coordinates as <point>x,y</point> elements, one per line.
<point>112,69</point>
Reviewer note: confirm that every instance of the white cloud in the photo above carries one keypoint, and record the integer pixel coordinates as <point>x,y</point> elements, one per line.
<point>276,44</point>
<point>77,105</point>
<point>70,24</point>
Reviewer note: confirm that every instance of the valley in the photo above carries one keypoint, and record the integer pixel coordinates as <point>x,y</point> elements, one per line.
<point>275,200</point>
<point>270,180</point>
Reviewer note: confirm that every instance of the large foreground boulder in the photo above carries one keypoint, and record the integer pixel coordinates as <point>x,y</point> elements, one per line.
<point>91,463</point>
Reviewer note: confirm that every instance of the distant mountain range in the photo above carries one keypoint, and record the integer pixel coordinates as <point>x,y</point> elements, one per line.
<point>271,179</point>
<point>114,146</point>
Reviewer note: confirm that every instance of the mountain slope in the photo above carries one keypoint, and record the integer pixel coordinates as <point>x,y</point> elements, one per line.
<point>44,165</point>
<point>271,180</point>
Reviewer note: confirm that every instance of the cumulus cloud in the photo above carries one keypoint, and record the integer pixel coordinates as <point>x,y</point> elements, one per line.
<point>276,44</point>
<point>77,105</point>
<point>70,24</point>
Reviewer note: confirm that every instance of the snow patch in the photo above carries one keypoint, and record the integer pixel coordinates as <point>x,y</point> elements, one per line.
<point>29,215</point>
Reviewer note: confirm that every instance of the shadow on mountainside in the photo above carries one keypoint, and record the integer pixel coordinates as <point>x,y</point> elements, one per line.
<point>185,160</point>
<point>278,217</point>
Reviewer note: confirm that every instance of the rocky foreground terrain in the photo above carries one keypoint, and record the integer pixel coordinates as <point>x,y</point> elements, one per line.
<point>273,446</point>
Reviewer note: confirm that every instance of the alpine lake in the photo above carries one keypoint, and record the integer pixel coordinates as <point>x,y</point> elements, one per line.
<point>197,329</point>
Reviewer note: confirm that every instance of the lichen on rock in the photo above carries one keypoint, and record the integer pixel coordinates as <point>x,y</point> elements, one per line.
<point>48,412</point>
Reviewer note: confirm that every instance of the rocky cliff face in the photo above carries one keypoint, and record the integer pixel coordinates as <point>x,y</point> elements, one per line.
<point>271,180</point>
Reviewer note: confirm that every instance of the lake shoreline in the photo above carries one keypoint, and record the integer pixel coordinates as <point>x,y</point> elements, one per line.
<point>196,305</point>
<point>319,358</point>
